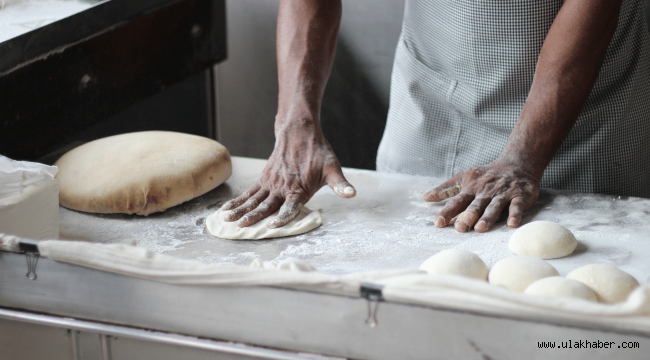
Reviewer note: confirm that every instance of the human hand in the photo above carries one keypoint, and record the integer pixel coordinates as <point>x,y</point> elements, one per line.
<point>485,191</point>
<point>301,163</point>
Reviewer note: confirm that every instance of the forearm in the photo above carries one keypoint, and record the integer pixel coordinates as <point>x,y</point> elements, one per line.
<point>302,161</point>
<point>567,68</point>
<point>306,43</point>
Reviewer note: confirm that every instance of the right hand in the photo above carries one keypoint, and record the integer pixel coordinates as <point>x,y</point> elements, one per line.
<point>301,163</point>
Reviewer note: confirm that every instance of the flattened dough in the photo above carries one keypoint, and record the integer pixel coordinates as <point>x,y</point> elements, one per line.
<point>557,286</point>
<point>306,221</point>
<point>516,273</point>
<point>542,239</point>
<point>456,262</point>
<point>609,283</point>
<point>140,173</point>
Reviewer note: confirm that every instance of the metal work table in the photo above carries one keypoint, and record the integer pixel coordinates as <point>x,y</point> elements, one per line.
<point>74,311</point>
<point>386,226</point>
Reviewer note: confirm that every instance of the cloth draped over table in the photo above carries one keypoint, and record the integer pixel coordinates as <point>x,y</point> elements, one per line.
<point>408,286</point>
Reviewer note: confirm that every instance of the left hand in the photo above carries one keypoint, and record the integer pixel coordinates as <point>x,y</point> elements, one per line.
<point>567,68</point>
<point>481,193</point>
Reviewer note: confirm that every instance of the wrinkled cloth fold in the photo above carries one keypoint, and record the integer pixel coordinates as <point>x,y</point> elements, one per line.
<point>407,286</point>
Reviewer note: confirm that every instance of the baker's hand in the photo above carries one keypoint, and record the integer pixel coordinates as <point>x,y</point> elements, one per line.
<point>481,193</point>
<point>301,163</point>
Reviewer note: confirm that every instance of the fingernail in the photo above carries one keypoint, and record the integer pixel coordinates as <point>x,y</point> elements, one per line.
<point>344,190</point>
<point>512,222</point>
<point>440,222</point>
<point>461,226</point>
<point>230,216</point>
<point>226,206</point>
<point>480,226</point>
<point>468,216</point>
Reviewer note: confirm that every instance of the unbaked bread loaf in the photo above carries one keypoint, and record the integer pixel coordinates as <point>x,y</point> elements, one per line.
<point>141,173</point>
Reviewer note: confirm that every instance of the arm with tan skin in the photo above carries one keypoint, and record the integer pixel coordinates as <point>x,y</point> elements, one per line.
<point>567,69</point>
<point>302,161</point>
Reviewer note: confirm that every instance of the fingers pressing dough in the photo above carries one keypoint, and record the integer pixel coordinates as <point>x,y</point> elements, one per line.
<point>305,221</point>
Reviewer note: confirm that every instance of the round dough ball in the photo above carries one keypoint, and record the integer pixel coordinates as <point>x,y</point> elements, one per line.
<point>516,273</point>
<point>609,283</point>
<point>456,262</point>
<point>305,221</point>
<point>557,286</point>
<point>140,173</point>
<point>542,239</point>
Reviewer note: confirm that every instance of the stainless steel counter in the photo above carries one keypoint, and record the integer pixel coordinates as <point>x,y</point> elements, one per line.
<point>385,226</point>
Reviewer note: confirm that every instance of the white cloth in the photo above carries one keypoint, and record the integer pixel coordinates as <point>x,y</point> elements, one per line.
<point>9,243</point>
<point>464,294</point>
<point>291,264</point>
<point>408,286</point>
<point>141,263</point>
<point>29,199</point>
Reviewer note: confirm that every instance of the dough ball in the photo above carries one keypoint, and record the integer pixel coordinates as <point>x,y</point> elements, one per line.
<point>609,283</point>
<point>542,239</point>
<point>557,286</point>
<point>140,173</point>
<point>516,273</point>
<point>306,221</point>
<point>456,262</point>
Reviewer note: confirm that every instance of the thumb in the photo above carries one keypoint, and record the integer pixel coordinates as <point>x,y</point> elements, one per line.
<point>339,185</point>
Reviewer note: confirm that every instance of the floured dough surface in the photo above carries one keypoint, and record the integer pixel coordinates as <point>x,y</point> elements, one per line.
<point>557,286</point>
<point>456,262</point>
<point>609,283</point>
<point>542,239</point>
<point>306,221</point>
<point>140,173</point>
<point>516,273</point>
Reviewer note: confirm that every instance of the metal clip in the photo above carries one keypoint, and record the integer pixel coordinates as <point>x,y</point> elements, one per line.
<point>30,249</point>
<point>372,293</point>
